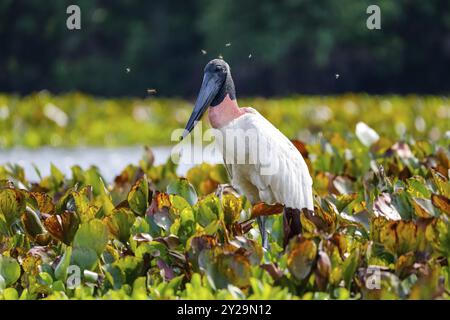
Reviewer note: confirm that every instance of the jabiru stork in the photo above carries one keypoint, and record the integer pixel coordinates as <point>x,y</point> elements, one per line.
<point>290,184</point>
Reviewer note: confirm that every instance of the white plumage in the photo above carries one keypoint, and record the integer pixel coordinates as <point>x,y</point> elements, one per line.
<point>289,183</point>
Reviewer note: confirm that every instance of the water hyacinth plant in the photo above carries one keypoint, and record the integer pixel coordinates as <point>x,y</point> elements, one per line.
<point>380,228</point>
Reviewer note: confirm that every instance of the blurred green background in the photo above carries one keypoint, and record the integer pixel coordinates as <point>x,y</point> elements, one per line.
<point>77,119</point>
<point>295,46</point>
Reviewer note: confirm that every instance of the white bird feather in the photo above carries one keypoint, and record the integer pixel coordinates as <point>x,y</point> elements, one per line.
<point>290,184</point>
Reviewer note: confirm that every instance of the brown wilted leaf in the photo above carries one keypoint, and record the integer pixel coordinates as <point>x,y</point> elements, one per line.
<point>272,270</point>
<point>160,200</point>
<point>441,183</point>
<point>307,224</point>
<point>301,147</point>
<point>442,170</point>
<point>441,203</point>
<point>399,237</point>
<point>404,264</point>
<point>122,205</point>
<point>123,179</point>
<point>63,226</point>
<point>405,174</point>
<point>340,242</point>
<point>200,243</point>
<point>428,286</point>
<point>323,220</point>
<point>44,202</point>
<point>246,226</point>
<point>234,268</point>
<point>208,186</point>
<point>443,159</point>
<point>264,209</point>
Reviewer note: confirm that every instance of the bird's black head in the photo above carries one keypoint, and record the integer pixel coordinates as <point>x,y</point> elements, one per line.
<point>219,69</point>
<point>217,84</point>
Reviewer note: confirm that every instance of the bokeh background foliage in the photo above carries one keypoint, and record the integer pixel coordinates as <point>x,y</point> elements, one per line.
<point>295,46</point>
<point>43,119</point>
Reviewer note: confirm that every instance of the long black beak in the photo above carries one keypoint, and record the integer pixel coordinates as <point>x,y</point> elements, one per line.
<point>210,87</point>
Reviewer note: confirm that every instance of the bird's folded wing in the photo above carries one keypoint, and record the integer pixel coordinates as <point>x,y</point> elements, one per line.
<point>281,172</point>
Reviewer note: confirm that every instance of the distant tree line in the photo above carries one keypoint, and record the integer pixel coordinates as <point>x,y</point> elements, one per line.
<point>274,47</point>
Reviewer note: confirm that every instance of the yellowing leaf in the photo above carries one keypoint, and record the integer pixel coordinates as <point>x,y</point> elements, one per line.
<point>264,209</point>
<point>301,256</point>
<point>441,203</point>
<point>138,197</point>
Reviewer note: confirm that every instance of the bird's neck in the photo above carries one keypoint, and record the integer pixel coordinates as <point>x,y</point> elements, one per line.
<point>224,112</point>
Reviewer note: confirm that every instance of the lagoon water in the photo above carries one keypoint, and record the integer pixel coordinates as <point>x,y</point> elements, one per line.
<point>110,161</point>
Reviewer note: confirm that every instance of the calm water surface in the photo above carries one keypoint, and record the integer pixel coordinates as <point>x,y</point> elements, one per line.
<point>110,161</point>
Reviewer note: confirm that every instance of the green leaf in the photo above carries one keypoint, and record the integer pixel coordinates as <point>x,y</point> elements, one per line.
<point>57,176</point>
<point>89,243</point>
<point>183,188</point>
<point>61,268</point>
<point>223,268</point>
<point>232,207</point>
<point>9,270</point>
<point>32,223</point>
<point>349,267</point>
<point>130,266</point>
<point>82,204</point>
<point>10,294</point>
<point>120,223</point>
<point>212,227</point>
<point>139,289</point>
<point>417,187</point>
<point>138,196</point>
<point>85,258</point>
<point>208,210</point>
<point>92,234</point>
<point>12,205</point>
<point>153,248</point>
<point>45,279</point>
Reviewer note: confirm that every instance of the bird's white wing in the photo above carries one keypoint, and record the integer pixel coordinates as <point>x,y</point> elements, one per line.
<point>280,173</point>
